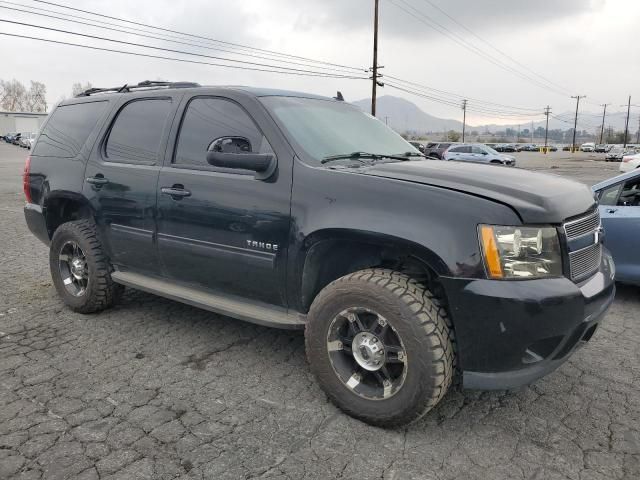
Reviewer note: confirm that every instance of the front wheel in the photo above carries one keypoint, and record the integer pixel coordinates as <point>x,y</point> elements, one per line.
<point>381,346</point>
<point>80,269</point>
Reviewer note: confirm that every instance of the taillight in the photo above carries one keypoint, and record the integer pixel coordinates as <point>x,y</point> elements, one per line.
<point>26,184</point>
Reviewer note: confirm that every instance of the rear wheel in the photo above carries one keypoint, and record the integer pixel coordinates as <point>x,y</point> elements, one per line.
<point>80,269</point>
<point>380,346</point>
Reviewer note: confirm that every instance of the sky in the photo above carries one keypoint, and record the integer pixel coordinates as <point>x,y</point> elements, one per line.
<point>546,50</point>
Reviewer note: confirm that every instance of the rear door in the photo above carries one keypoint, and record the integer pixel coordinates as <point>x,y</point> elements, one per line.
<point>223,229</point>
<point>620,213</point>
<point>121,179</point>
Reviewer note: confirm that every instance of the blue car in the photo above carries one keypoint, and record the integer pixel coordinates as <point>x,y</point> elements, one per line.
<point>619,199</point>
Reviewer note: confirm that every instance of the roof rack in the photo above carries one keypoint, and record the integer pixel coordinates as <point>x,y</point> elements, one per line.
<point>147,84</point>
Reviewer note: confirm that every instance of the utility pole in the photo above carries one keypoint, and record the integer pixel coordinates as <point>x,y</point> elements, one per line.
<point>546,128</point>
<point>531,131</point>
<point>374,77</point>
<point>626,123</point>
<point>604,112</point>
<point>464,117</point>
<point>638,138</point>
<point>575,123</point>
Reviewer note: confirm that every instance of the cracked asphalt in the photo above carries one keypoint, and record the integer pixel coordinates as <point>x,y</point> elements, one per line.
<point>155,389</point>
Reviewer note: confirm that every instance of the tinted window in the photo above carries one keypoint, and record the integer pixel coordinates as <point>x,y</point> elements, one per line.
<point>456,149</point>
<point>476,149</point>
<point>68,129</point>
<point>208,119</point>
<point>136,135</point>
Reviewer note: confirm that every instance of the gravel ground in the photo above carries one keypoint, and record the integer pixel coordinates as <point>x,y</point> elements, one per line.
<point>156,389</point>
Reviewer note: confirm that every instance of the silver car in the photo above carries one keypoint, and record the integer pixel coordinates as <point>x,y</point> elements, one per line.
<point>479,153</point>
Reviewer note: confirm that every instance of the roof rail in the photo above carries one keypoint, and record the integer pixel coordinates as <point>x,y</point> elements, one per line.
<point>147,84</point>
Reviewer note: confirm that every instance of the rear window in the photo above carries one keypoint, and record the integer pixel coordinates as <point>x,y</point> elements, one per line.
<point>67,130</point>
<point>137,133</point>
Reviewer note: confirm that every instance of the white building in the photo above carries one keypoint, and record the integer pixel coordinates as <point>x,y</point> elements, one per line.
<point>12,122</point>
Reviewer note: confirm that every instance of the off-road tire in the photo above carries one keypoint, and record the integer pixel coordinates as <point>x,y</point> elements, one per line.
<point>101,292</point>
<point>421,322</point>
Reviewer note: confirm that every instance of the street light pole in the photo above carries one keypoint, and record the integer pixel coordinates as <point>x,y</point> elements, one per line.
<point>626,123</point>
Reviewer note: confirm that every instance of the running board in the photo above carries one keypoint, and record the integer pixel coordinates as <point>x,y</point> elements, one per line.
<point>236,307</point>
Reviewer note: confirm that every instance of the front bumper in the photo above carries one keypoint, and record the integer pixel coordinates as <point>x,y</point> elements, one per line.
<point>510,333</point>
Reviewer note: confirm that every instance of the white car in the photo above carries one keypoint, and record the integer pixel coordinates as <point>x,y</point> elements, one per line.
<point>630,162</point>
<point>587,147</point>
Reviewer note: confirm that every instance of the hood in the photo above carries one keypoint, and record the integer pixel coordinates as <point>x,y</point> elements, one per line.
<point>536,197</point>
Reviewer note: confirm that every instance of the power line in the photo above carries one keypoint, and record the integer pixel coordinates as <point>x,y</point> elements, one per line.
<point>184,60</point>
<point>486,42</point>
<point>420,16</point>
<point>190,34</point>
<point>134,44</point>
<point>136,32</point>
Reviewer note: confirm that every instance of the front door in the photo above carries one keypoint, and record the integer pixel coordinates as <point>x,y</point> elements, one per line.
<point>121,179</point>
<point>620,213</point>
<point>223,229</point>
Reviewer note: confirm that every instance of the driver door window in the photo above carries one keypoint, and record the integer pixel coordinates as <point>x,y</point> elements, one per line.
<point>630,195</point>
<point>609,196</point>
<point>477,150</point>
<point>206,122</point>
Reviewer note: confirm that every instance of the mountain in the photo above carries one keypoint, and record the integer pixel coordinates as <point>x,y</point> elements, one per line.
<point>405,116</point>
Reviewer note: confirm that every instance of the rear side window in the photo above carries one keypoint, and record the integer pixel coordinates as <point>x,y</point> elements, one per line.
<point>208,119</point>
<point>67,130</point>
<point>137,132</point>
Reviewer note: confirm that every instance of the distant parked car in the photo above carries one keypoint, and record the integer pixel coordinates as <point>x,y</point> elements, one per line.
<point>418,145</point>
<point>435,150</point>
<point>588,147</point>
<point>479,153</point>
<point>601,148</point>
<point>630,162</point>
<point>506,147</point>
<point>550,148</point>
<point>619,199</point>
<point>24,140</point>
<point>30,140</point>
<point>16,138</point>
<point>9,137</point>
<point>616,154</point>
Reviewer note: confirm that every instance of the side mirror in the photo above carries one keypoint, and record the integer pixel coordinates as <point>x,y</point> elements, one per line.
<point>485,153</point>
<point>235,152</point>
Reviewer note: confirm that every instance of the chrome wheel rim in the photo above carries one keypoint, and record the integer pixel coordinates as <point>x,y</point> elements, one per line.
<point>366,353</point>
<point>73,267</point>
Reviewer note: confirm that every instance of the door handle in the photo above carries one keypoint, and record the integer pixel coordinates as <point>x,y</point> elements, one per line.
<point>97,181</point>
<point>176,192</point>
<point>612,210</point>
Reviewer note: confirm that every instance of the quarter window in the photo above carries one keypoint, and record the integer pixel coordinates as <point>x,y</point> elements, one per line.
<point>137,133</point>
<point>67,130</point>
<point>208,119</point>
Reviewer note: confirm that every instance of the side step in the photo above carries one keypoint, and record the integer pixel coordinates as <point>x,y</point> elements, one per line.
<point>236,307</point>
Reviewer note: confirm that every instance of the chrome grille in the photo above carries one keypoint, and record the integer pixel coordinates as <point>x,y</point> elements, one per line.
<point>585,261</point>
<point>582,226</point>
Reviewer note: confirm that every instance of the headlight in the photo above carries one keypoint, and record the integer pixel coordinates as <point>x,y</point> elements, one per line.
<point>520,252</point>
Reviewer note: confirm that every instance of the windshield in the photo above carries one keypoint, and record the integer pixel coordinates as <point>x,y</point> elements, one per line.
<point>324,128</point>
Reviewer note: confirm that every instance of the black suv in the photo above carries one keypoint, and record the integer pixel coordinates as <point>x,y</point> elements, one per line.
<point>298,211</point>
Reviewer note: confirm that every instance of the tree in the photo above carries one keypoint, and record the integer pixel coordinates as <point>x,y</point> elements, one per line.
<point>78,88</point>
<point>13,97</point>
<point>453,136</point>
<point>36,97</point>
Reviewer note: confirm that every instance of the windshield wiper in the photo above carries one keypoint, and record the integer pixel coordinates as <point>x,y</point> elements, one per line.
<point>414,154</point>
<point>361,156</point>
